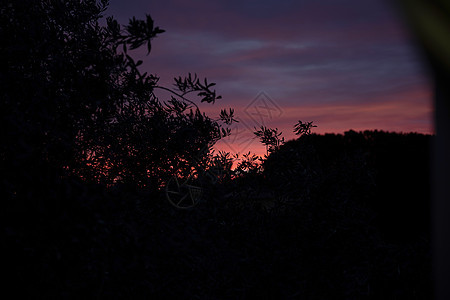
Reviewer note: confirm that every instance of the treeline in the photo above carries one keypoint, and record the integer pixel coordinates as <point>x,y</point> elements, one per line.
<point>387,171</point>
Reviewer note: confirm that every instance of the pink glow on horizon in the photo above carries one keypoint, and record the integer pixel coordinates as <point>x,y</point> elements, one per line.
<point>405,112</point>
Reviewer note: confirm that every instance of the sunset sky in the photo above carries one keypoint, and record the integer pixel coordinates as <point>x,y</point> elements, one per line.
<point>344,64</point>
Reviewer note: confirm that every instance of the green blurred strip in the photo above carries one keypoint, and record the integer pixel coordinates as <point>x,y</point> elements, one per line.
<point>431,22</point>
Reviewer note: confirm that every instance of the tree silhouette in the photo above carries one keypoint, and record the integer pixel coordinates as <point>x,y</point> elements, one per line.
<point>75,100</point>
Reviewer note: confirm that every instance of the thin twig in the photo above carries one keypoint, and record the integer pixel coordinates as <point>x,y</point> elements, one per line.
<point>178,95</point>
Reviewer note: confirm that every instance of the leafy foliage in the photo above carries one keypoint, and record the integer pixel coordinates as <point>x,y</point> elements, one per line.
<point>193,84</point>
<point>303,128</point>
<point>227,117</point>
<point>269,137</point>
<point>88,109</point>
<point>250,163</point>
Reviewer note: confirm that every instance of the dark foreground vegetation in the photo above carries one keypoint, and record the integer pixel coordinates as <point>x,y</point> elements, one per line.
<point>348,218</point>
<point>87,146</point>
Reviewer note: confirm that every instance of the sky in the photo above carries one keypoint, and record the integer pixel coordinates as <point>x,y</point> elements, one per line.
<point>343,64</point>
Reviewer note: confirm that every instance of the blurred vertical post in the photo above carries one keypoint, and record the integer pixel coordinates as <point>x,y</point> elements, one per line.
<point>430,22</point>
